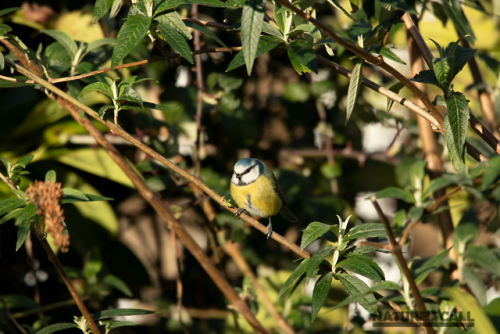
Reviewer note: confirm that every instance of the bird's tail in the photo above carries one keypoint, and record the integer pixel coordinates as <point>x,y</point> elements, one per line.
<point>287,214</point>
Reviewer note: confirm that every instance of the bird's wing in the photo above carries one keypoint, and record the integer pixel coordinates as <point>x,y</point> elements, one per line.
<point>277,188</point>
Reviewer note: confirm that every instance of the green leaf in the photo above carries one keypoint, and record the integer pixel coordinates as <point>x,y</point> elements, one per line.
<point>164,5</point>
<point>436,184</point>
<point>22,233</point>
<point>97,198</point>
<point>20,193</point>
<point>100,87</point>
<point>482,324</point>
<point>93,264</point>
<point>121,312</point>
<point>9,204</point>
<point>229,83</point>
<point>485,258</point>
<point>131,33</point>
<point>455,129</point>
<point>158,106</point>
<point>13,301</point>
<point>101,7</point>
<point>50,176</point>
<point>73,195</point>
<point>28,212</point>
<point>352,93</point>
<point>395,192</point>
<point>400,4</point>
<point>491,172</point>
<point>176,41</point>
<point>9,10</point>
<point>266,44</point>
<point>115,8</point>
<point>355,287</point>
<point>12,214</point>
<point>5,162</point>
<point>299,271</point>
<point>251,26</point>
<point>279,16</point>
<point>66,41</point>
<point>444,69</point>
<point>296,92</point>
<point>395,87</point>
<point>205,31</point>
<point>466,229</point>
<point>316,259</point>
<point>369,230</point>
<point>386,285</point>
<point>97,44</point>
<point>453,10</point>
<point>362,265</point>
<point>2,61</point>
<point>320,293</point>
<point>271,30</point>
<point>56,327</point>
<point>111,324</point>
<point>118,284</point>
<point>306,28</point>
<point>312,232</point>
<point>24,161</point>
<point>387,53</point>
<point>103,110</point>
<point>475,284</point>
<point>422,268</point>
<point>427,76</point>
<point>360,28</point>
<point>415,213</point>
<point>131,95</point>
<point>174,20</point>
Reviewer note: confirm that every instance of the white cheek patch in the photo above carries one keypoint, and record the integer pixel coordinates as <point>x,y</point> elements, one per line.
<point>250,176</point>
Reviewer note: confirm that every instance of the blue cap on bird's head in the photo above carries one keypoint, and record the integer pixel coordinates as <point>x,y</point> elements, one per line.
<point>246,163</point>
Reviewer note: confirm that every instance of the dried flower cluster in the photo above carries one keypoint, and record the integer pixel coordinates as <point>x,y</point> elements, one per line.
<point>45,196</point>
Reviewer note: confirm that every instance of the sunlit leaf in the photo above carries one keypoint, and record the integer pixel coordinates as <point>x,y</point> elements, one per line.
<point>352,93</point>
<point>455,129</point>
<point>101,7</point>
<point>369,230</point>
<point>251,26</point>
<point>395,192</point>
<point>66,41</point>
<point>22,233</point>
<point>175,40</point>
<point>266,44</point>
<point>131,33</point>
<point>320,293</point>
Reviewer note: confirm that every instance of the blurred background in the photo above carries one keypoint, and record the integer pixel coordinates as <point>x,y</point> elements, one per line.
<point>294,123</point>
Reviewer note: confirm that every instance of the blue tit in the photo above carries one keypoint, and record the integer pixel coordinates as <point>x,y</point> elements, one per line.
<point>255,189</point>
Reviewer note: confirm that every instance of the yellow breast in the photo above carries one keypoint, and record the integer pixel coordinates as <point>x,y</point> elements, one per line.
<point>259,197</point>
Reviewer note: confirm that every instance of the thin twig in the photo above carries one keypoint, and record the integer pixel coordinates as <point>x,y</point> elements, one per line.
<point>232,249</point>
<point>199,98</point>
<point>396,250</point>
<point>443,198</point>
<point>48,308</point>
<point>21,329</point>
<point>378,61</point>
<point>178,280</point>
<point>406,232</point>
<point>60,269</point>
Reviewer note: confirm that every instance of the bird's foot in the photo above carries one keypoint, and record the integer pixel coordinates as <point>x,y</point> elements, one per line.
<point>239,212</point>
<point>269,230</point>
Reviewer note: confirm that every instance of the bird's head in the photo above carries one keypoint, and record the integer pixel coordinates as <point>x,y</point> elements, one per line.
<point>246,171</point>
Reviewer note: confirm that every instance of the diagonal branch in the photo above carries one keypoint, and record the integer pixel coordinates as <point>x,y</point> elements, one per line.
<point>396,250</point>
<point>378,61</point>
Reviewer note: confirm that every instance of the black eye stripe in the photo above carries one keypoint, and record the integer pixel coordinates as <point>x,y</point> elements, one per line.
<point>245,172</point>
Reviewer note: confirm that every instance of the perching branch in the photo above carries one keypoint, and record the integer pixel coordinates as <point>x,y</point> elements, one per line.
<point>199,97</point>
<point>116,129</point>
<point>395,249</point>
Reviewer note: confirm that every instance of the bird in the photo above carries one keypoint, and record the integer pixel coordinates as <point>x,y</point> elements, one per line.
<point>255,190</point>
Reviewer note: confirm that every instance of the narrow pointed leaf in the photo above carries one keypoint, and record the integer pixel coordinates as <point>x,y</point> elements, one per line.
<point>485,258</point>
<point>436,184</point>
<point>271,30</point>
<point>369,230</point>
<point>28,212</point>
<point>421,268</point>
<point>115,8</point>
<point>2,61</point>
<point>475,284</point>
<point>22,233</point>
<point>12,214</point>
<point>131,95</point>
<point>9,204</point>
<point>66,41</point>
<point>251,26</point>
<point>444,69</point>
<point>108,314</point>
<point>174,20</point>
<point>131,33</point>
<point>355,287</point>
<point>395,87</point>
<point>316,259</point>
<point>266,44</point>
<point>306,28</point>
<point>312,232</point>
<point>9,10</point>
<point>100,87</point>
<point>303,59</point>
<point>352,93</point>
<point>491,172</point>
<point>453,10</point>
<point>455,129</point>
<point>468,304</point>
<point>389,54</point>
<point>118,284</point>
<point>101,7</point>
<point>103,110</point>
<point>339,7</point>
<point>299,271</point>
<point>395,192</point>
<point>400,4</point>
<point>320,293</point>
<point>176,41</point>
<point>205,31</point>
<point>364,266</point>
